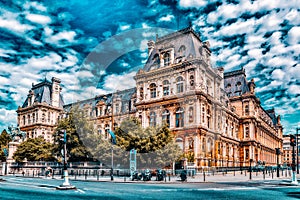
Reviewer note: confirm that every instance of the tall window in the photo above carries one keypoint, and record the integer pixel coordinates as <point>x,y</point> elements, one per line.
<point>166,117</point>
<point>28,117</point>
<point>166,87</point>
<point>246,110</point>
<point>208,117</point>
<point>179,84</point>
<point>117,108</point>
<point>106,131</point>
<point>247,132</point>
<point>179,117</point>
<point>191,114</point>
<point>152,90</point>
<point>192,81</point>
<point>24,120</point>
<point>33,118</point>
<point>152,121</point>
<point>166,59</point>
<point>141,92</point>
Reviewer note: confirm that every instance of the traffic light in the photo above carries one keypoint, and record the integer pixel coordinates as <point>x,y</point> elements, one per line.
<point>277,151</point>
<point>293,140</point>
<point>63,135</point>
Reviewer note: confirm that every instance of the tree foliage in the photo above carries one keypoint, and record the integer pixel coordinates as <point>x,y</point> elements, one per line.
<point>5,138</point>
<point>155,146</point>
<point>34,149</point>
<point>80,136</point>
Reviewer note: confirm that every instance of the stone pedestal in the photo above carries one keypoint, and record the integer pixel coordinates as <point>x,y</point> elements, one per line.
<point>12,147</point>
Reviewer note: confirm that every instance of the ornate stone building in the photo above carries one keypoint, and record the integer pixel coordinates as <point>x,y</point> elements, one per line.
<point>41,110</point>
<point>214,115</point>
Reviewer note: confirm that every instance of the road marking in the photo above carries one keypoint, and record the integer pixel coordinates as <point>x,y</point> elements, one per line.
<point>81,191</point>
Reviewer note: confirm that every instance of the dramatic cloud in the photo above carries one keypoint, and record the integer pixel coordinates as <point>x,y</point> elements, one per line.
<point>49,38</point>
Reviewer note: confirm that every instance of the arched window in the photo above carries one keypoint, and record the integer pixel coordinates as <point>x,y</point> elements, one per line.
<point>166,59</point>
<point>33,118</point>
<point>24,120</point>
<point>179,84</point>
<point>166,117</point>
<point>179,122</point>
<point>28,118</point>
<point>152,90</point>
<point>106,131</point>
<point>152,121</point>
<point>179,141</point>
<point>191,114</point>
<point>166,87</point>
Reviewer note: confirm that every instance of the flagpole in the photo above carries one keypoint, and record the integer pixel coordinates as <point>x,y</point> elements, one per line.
<point>112,128</point>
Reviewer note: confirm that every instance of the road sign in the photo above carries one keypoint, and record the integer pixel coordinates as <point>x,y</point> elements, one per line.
<point>132,161</point>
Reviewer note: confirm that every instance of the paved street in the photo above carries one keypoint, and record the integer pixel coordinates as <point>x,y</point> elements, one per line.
<point>230,188</point>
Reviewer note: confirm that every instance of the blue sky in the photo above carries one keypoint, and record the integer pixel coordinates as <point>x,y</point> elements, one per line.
<point>66,39</point>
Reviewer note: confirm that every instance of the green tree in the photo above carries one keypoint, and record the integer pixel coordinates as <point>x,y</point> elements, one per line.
<point>80,136</point>
<point>34,149</point>
<point>4,140</point>
<point>155,146</point>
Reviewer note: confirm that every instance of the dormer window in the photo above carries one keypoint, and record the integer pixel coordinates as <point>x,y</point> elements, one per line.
<point>167,59</point>
<point>181,50</point>
<point>156,60</point>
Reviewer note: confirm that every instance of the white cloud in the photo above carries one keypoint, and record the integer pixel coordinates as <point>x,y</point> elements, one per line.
<point>61,37</point>
<point>9,21</point>
<point>278,74</point>
<point>192,3</point>
<point>116,82</point>
<point>166,18</point>
<point>294,35</point>
<point>8,117</point>
<point>294,89</point>
<point>40,19</point>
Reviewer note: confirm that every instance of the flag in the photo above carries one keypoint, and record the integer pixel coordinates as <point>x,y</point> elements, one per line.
<point>113,137</point>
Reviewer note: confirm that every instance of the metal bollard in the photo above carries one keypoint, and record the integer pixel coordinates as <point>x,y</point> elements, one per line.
<point>264,174</point>
<point>85,175</point>
<point>234,173</point>
<point>203,176</point>
<point>169,177</point>
<point>124,178</point>
<point>272,174</point>
<point>97,175</point>
<point>245,172</point>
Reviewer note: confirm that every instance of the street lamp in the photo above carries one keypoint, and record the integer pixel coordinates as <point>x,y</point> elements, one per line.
<point>277,153</point>
<point>66,185</point>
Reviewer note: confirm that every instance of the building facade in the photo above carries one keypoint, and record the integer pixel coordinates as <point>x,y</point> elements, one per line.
<point>41,110</point>
<point>212,114</point>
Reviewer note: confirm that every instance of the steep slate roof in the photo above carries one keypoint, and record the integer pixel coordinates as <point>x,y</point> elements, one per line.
<point>124,95</point>
<point>42,93</point>
<point>187,38</point>
<point>235,83</point>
